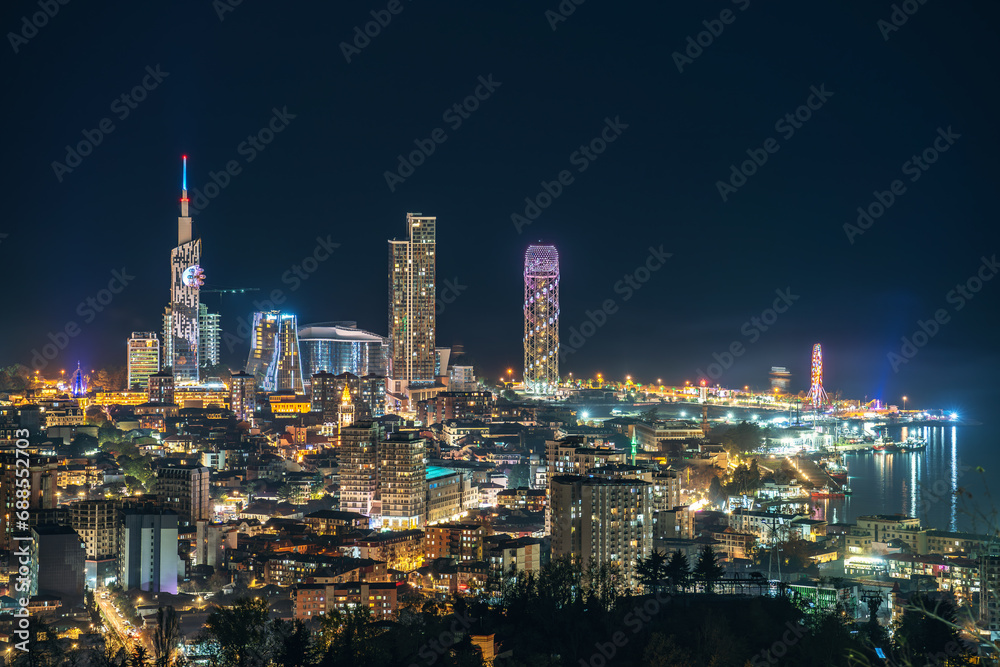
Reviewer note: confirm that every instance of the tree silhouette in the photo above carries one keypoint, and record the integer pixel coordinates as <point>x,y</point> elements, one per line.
<point>166,636</point>
<point>678,569</point>
<point>707,568</point>
<point>652,570</point>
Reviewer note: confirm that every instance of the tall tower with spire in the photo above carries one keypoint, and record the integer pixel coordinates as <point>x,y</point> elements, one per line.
<point>180,321</point>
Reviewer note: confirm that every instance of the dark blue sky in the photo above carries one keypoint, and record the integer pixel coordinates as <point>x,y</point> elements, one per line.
<point>656,184</point>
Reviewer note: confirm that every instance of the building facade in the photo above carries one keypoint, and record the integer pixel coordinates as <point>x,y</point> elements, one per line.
<point>285,371</point>
<point>340,347</point>
<point>412,302</point>
<point>602,520</point>
<point>541,319</point>
<point>181,331</point>
<point>243,395</point>
<point>359,444</point>
<point>262,345</point>
<point>96,522</point>
<point>402,480</point>
<point>184,489</point>
<point>143,358</point>
<point>147,550</point>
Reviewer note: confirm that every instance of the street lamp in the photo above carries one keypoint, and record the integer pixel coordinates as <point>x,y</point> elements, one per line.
<point>904,404</point>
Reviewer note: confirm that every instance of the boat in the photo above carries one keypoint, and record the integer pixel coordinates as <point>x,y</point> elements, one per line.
<point>826,492</point>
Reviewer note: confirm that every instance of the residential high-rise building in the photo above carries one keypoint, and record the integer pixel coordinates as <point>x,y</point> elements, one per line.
<point>462,378</point>
<point>184,489</point>
<point>359,444</point>
<point>42,492</point>
<point>160,388</point>
<point>262,336</point>
<point>541,319</point>
<point>367,395</point>
<point>181,319</point>
<point>242,395</point>
<point>96,522</point>
<point>599,520</point>
<point>402,480</point>
<point>285,371</point>
<point>412,302</point>
<point>143,358</point>
<point>209,336</point>
<point>340,347</point>
<point>57,566</point>
<point>147,550</point>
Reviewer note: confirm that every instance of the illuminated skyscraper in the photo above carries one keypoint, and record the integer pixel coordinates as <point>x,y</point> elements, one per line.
<point>143,358</point>
<point>412,303</point>
<point>181,319</point>
<point>265,328</point>
<point>242,400</point>
<point>285,371</point>
<point>402,480</point>
<point>359,444</point>
<point>541,319</point>
<point>209,336</point>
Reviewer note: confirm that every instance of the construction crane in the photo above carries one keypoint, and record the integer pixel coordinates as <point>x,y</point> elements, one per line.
<point>227,290</point>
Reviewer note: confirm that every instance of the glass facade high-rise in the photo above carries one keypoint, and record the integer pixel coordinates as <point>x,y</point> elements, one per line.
<point>143,358</point>
<point>209,336</point>
<point>412,302</point>
<point>285,371</point>
<point>262,336</point>
<point>340,347</point>
<point>541,319</point>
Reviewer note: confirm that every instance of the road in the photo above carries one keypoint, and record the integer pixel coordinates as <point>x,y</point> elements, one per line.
<point>117,624</point>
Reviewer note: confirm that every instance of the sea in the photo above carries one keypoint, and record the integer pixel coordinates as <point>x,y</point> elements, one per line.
<point>947,485</point>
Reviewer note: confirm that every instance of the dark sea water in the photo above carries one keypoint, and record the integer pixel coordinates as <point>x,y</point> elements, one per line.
<point>933,484</point>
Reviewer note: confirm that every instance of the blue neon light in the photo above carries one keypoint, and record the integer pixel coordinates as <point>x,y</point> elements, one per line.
<point>184,183</point>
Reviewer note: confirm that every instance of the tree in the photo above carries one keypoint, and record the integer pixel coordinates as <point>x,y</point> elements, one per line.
<point>678,569</point>
<point>166,636</point>
<point>663,651</point>
<point>139,656</point>
<point>652,570</point>
<point>716,494</point>
<point>707,568</point>
<point>927,629</point>
<point>237,634</point>
<point>649,416</point>
<point>108,433</point>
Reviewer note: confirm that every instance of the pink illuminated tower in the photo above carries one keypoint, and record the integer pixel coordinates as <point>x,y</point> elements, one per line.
<point>541,319</point>
<point>816,392</point>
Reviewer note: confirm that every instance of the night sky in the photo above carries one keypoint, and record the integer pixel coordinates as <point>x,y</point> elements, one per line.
<point>553,92</point>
